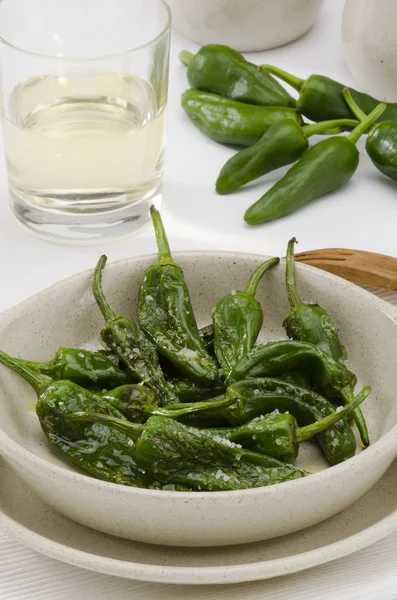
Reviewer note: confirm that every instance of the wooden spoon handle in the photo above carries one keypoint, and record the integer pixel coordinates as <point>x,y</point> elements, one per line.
<point>364,268</point>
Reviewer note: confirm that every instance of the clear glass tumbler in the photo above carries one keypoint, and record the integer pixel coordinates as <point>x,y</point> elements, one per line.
<point>83,96</point>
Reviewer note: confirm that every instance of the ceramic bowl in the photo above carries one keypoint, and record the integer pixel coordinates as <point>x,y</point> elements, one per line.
<point>246,25</point>
<point>66,315</point>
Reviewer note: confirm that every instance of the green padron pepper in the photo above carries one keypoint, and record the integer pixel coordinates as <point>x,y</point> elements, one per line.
<point>230,122</point>
<point>238,319</point>
<point>129,343</point>
<point>284,143</point>
<point>224,71</point>
<point>173,453</point>
<point>321,98</point>
<point>325,168</point>
<point>166,315</point>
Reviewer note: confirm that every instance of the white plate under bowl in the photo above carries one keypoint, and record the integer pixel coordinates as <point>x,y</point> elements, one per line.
<point>26,518</point>
<point>66,315</point>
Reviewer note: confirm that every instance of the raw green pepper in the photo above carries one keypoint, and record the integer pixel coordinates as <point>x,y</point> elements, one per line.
<point>282,144</point>
<point>238,319</point>
<point>311,323</point>
<point>128,342</point>
<point>278,435</point>
<point>321,98</point>
<point>189,391</point>
<point>381,142</point>
<point>230,122</point>
<point>166,315</point>
<point>325,168</point>
<point>224,71</point>
<point>88,369</point>
<point>173,453</point>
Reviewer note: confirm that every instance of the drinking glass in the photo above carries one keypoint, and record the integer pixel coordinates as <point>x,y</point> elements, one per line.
<point>83,99</point>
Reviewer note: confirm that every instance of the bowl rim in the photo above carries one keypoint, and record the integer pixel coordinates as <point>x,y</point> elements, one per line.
<point>11,450</point>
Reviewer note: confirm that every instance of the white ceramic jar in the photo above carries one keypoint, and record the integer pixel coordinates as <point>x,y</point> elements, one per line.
<point>370,43</point>
<point>246,25</point>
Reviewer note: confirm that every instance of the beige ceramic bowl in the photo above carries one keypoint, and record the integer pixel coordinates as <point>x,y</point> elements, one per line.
<point>66,315</point>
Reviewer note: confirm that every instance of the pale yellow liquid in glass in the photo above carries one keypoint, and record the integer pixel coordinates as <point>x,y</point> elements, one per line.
<point>84,139</point>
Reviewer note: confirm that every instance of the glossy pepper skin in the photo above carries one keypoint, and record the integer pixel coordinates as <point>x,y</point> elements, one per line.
<point>230,122</point>
<point>173,453</point>
<point>321,98</point>
<point>88,369</point>
<point>311,323</point>
<point>129,343</point>
<point>166,315</point>
<point>238,319</point>
<point>325,168</point>
<point>103,452</point>
<point>278,435</point>
<point>284,143</point>
<point>224,71</point>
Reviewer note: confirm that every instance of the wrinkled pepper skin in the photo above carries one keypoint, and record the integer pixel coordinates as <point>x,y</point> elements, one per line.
<point>381,147</point>
<point>230,122</point>
<point>278,435</point>
<point>88,369</point>
<point>176,454</point>
<point>238,319</point>
<point>284,143</point>
<point>311,323</point>
<point>224,71</point>
<point>321,98</point>
<point>166,315</point>
<point>129,343</point>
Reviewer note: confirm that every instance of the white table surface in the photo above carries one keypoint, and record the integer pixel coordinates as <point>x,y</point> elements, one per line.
<point>362,215</point>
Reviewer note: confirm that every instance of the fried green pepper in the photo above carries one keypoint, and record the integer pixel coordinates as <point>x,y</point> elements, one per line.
<point>166,315</point>
<point>284,143</point>
<point>311,323</point>
<point>173,453</point>
<point>129,343</point>
<point>278,435</point>
<point>238,319</point>
<point>230,122</point>
<point>321,98</point>
<point>325,168</point>
<point>224,71</point>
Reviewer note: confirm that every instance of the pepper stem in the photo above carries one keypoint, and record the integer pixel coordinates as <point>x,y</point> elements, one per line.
<point>38,382</point>
<point>132,430</point>
<point>180,410</point>
<point>325,126</point>
<point>358,416</point>
<point>185,57</point>
<point>97,290</point>
<point>257,275</point>
<point>306,433</point>
<point>290,276</point>
<point>295,82</point>
<point>165,256</point>
<point>354,107</point>
<point>366,123</point>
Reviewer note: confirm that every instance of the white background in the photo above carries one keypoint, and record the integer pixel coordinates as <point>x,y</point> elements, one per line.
<point>362,215</point>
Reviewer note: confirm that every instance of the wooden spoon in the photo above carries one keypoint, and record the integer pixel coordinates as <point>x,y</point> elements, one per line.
<point>364,268</point>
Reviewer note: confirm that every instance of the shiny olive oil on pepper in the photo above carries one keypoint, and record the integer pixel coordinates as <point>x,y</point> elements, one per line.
<point>325,168</point>
<point>311,323</point>
<point>284,143</point>
<point>278,435</point>
<point>129,343</point>
<point>230,122</point>
<point>173,453</point>
<point>381,142</point>
<point>166,315</point>
<point>321,98</point>
<point>86,368</point>
<point>238,319</point>
<point>224,71</point>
